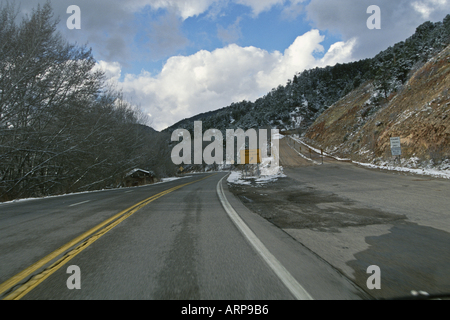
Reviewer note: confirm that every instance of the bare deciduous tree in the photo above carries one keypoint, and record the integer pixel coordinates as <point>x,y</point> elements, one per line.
<point>62,129</point>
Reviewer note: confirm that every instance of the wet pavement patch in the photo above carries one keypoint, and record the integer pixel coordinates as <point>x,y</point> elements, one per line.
<point>410,257</point>
<point>289,204</point>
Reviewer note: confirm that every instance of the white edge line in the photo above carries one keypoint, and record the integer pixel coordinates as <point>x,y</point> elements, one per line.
<point>76,204</point>
<point>288,280</point>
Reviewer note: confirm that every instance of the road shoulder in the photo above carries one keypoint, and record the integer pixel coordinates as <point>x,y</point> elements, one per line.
<point>317,276</point>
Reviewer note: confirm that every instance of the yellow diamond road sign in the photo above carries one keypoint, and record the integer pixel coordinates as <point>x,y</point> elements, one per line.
<point>250,156</point>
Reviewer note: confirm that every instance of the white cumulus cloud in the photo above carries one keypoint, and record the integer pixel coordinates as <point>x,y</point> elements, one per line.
<point>112,70</point>
<point>427,7</point>
<point>205,81</point>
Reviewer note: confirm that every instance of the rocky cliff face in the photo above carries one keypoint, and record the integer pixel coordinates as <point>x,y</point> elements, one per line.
<point>359,126</point>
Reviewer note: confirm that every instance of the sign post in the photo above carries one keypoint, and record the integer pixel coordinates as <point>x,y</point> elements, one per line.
<point>251,157</point>
<point>396,148</point>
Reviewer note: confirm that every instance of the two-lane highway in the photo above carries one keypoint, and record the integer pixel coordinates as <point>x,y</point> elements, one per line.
<point>167,241</point>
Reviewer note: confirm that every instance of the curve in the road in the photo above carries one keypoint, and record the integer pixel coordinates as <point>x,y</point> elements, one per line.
<point>288,280</point>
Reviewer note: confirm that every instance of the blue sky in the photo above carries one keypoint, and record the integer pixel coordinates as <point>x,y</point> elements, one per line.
<point>235,23</point>
<point>178,58</point>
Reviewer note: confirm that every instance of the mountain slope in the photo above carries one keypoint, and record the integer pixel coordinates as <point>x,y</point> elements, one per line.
<point>311,92</point>
<point>359,126</point>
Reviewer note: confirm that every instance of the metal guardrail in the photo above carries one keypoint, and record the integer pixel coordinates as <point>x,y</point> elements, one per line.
<point>304,148</point>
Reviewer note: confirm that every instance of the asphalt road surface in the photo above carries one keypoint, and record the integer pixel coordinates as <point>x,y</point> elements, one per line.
<point>397,221</point>
<point>173,240</point>
<point>191,239</point>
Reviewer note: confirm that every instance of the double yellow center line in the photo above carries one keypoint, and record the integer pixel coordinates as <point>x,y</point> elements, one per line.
<point>100,230</point>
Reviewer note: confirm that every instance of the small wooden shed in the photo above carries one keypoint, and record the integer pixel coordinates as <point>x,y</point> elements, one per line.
<point>139,177</point>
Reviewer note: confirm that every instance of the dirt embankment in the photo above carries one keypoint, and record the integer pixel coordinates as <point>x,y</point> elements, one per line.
<point>419,113</point>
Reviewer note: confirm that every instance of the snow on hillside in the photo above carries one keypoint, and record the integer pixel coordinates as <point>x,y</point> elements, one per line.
<point>359,128</point>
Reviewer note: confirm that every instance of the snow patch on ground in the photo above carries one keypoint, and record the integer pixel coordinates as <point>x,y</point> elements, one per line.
<point>437,173</point>
<point>236,177</point>
<point>171,179</point>
<point>277,136</point>
<point>61,195</point>
<point>164,180</point>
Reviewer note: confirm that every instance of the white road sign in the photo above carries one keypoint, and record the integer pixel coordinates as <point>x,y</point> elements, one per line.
<point>396,147</point>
